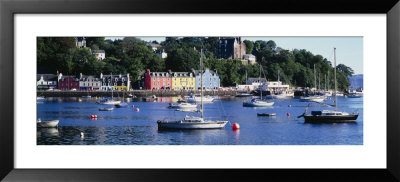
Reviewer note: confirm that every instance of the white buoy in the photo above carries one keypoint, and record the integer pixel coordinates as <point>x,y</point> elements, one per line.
<point>82,135</point>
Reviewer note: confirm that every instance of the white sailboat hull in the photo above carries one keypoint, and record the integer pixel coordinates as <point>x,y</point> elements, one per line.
<point>191,125</point>
<point>197,99</point>
<point>258,104</point>
<point>183,106</point>
<point>312,99</point>
<point>111,102</point>
<point>47,124</point>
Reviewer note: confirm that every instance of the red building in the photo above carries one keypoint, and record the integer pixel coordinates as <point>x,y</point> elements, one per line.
<point>157,80</point>
<point>68,83</point>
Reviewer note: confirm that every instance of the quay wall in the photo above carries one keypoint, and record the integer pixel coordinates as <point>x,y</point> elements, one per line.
<point>137,93</point>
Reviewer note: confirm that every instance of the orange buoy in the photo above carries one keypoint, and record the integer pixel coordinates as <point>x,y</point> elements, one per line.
<point>287,114</point>
<point>137,109</point>
<point>235,126</point>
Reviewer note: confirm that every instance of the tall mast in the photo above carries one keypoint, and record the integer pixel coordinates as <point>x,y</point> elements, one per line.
<point>278,76</point>
<point>319,81</point>
<point>328,80</point>
<point>201,82</point>
<point>334,49</point>
<point>112,88</point>
<point>325,83</point>
<point>259,79</point>
<point>315,78</point>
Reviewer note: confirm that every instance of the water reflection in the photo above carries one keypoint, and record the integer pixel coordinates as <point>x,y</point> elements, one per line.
<point>125,126</point>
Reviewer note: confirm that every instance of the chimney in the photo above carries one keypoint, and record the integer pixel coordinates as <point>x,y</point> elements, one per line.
<point>169,71</point>
<point>120,75</point>
<point>101,75</point>
<point>80,76</point>
<point>59,76</point>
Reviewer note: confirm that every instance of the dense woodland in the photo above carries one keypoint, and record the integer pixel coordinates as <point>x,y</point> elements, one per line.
<point>131,55</point>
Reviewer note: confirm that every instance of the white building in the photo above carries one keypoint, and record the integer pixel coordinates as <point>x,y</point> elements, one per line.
<point>153,46</point>
<point>276,86</point>
<point>162,54</point>
<point>250,58</point>
<point>100,54</point>
<point>80,42</point>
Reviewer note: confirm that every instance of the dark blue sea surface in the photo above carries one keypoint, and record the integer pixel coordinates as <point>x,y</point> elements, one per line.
<point>125,126</point>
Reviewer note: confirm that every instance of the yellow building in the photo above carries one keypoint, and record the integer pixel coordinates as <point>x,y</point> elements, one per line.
<point>119,88</point>
<point>183,81</point>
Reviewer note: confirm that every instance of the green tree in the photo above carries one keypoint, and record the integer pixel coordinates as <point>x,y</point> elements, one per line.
<point>249,46</point>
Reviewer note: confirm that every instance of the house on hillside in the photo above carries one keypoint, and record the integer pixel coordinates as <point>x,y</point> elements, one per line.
<point>100,54</point>
<point>231,48</point>
<point>80,42</point>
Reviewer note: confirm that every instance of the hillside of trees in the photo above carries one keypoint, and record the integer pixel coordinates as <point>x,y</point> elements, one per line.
<point>132,55</point>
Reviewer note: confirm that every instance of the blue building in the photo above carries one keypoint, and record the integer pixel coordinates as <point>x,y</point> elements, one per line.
<point>210,79</point>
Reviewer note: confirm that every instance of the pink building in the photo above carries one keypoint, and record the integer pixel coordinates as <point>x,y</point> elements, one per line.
<point>157,80</point>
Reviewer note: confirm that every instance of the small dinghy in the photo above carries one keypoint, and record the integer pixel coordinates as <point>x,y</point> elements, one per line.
<point>47,123</point>
<point>106,109</point>
<point>266,114</point>
<point>121,105</point>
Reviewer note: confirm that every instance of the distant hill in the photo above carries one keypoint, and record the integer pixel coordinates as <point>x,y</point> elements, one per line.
<point>356,82</point>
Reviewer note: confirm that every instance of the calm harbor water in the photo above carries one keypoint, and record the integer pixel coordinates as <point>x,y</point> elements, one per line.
<point>125,126</point>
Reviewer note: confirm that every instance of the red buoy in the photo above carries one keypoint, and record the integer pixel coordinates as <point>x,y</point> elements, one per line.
<point>133,106</point>
<point>235,126</point>
<point>287,114</point>
<point>92,116</point>
<point>137,109</point>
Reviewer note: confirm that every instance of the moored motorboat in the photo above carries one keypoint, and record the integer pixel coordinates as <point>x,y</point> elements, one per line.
<point>266,114</point>
<point>40,99</point>
<point>257,103</point>
<point>312,99</point>
<point>47,123</point>
<point>106,109</point>
<point>244,95</point>
<point>121,105</point>
<point>205,99</point>
<point>182,105</point>
<point>354,95</point>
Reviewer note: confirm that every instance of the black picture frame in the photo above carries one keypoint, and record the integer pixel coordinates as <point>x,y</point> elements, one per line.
<point>8,8</point>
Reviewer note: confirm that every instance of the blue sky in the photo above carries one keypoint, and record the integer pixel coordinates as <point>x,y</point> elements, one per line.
<point>349,50</point>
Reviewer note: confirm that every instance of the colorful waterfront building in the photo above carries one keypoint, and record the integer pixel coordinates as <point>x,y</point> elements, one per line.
<point>89,82</point>
<point>183,81</point>
<point>67,82</point>
<point>157,80</point>
<point>211,79</point>
<point>46,81</point>
<point>114,82</point>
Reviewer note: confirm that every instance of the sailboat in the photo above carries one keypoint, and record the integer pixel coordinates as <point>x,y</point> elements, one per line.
<point>282,94</point>
<point>314,98</point>
<point>112,101</point>
<point>122,104</point>
<point>329,116</point>
<point>258,102</point>
<point>193,122</point>
<point>244,94</point>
